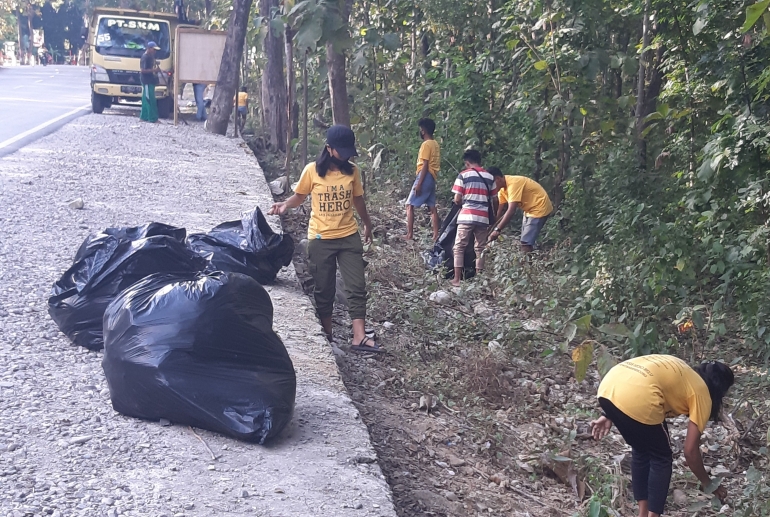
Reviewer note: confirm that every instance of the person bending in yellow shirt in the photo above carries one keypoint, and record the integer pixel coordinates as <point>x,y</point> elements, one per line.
<point>637,396</point>
<point>424,188</point>
<point>335,189</point>
<point>520,191</point>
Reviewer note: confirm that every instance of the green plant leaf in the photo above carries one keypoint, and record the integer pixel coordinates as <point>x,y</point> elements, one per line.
<point>542,65</point>
<point>698,321</point>
<point>391,41</point>
<point>715,482</point>
<point>309,34</point>
<point>584,324</point>
<point>615,329</point>
<point>753,12</point>
<point>699,25</point>
<point>595,508</point>
<point>605,362</point>
<point>705,171</point>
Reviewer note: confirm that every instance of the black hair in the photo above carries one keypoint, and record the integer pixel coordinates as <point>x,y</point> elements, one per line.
<point>243,88</point>
<point>495,172</point>
<point>325,159</point>
<point>472,156</point>
<point>428,124</point>
<point>718,378</point>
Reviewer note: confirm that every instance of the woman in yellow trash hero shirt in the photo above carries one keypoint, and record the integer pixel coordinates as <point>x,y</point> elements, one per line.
<point>334,184</point>
<point>637,396</point>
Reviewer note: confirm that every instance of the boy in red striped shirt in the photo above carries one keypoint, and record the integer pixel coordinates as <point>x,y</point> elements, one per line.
<point>476,191</point>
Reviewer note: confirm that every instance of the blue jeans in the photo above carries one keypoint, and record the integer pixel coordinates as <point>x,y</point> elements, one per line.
<point>198,90</point>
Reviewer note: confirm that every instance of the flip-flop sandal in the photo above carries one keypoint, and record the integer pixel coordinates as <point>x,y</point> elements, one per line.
<point>362,347</point>
<point>370,333</point>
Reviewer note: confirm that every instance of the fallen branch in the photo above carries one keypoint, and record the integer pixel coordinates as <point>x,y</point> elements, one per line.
<point>214,457</point>
<point>753,423</point>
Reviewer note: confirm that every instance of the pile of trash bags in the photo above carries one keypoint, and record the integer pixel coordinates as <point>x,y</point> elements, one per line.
<point>441,257</point>
<point>106,264</point>
<point>199,350</point>
<point>185,323</point>
<point>248,246</point>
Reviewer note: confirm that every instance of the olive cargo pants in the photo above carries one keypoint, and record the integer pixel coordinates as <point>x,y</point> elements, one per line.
<point>323,257</point>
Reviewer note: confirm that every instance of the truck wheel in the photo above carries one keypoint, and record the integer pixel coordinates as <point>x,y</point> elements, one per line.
<point>96,103</point>
<point>165,107</point>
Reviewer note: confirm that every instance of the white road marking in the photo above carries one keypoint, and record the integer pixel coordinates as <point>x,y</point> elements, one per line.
<point>39,81</point>
<point>42,126</point>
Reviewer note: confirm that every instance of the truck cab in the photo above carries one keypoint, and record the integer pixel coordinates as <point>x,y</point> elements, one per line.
<point>117,39</point>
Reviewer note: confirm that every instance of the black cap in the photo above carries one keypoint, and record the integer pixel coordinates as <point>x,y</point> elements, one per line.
<point>341,139</point>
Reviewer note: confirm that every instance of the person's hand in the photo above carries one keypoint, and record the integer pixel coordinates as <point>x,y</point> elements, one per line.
<point>367,234</point>
<point>418,189</point>
<point>494,235</point>
<point>601,427</point>
<point>277,209</point>
<point>721,493</point>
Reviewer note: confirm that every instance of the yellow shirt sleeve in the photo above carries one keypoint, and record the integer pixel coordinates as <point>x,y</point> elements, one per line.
<point>514,191</point>
<point>424,155</point>
<point>358,186</point>
<point>700,409</point>
<point>502,197</point>
<point>305,183</point>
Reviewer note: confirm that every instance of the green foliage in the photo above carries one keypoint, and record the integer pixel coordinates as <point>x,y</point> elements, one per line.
<point>661,219</point>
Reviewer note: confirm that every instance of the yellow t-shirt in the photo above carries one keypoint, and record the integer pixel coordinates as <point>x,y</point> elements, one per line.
<point>528,193</point>
<point>430,151</point>
<point>243,98</point>
<point>653,387</point>
<point>331,215</point>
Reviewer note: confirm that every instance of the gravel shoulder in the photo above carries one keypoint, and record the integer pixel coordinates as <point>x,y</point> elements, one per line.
<point>63,450</point>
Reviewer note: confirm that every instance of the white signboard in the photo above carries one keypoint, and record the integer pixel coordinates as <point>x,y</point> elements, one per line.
<point>199,54</point>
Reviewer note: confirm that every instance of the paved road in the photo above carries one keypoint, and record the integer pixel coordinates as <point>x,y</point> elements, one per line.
<point>37,100</point>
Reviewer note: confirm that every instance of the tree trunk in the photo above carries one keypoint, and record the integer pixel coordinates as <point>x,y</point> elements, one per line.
<point>209,7</point>
<point>30,17</point>
<point>305,117</point>
<point>227,80</point>
<point>21,40</point>
<point>290,93</point>
<point>338,88</point>
<point>273,82</point>
<point>641,144</point>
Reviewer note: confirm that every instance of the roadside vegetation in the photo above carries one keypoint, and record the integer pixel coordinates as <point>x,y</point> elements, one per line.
<point>646,122</point>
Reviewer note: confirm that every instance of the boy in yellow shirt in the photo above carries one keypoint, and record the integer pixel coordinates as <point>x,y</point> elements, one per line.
<point>424,188</point>
<point>527,194</point>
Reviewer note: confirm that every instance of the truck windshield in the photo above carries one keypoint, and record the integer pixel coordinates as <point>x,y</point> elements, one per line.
<point>128,37</point>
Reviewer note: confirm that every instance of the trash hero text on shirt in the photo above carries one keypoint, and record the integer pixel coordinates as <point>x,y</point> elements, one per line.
<point>335,199</point>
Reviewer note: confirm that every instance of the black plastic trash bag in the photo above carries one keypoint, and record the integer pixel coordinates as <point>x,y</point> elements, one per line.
<point>199,350</point>
<point>442,254</point>
<point>106,264</point>
<point>248,246</point>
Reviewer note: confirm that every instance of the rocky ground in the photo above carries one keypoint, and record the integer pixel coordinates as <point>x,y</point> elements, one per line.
<point>63,450</point>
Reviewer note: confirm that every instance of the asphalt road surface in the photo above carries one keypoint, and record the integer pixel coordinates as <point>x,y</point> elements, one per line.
<point>37,100</point>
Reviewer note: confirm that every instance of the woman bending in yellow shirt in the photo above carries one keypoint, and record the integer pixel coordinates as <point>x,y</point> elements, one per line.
<point>334,184</point>
<point>637,396</point>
